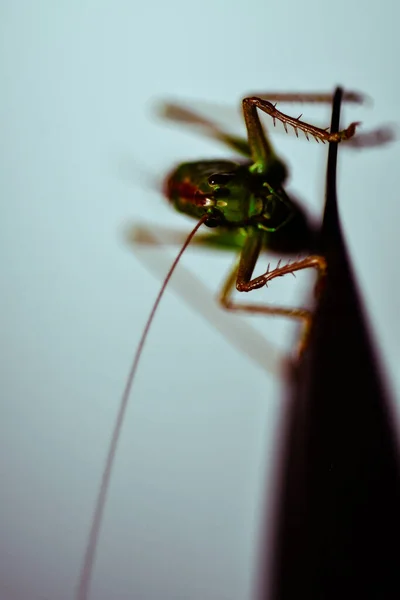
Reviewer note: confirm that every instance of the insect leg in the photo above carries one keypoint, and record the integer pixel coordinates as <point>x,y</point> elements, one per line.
<point>146,235</point>
<point>240,276</point>
<point>180,114</point>
<point>377,137</point>
<point>315,261</point>
<point>250,106</point>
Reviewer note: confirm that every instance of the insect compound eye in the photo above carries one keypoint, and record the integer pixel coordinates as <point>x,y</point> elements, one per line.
<point>220,179</point>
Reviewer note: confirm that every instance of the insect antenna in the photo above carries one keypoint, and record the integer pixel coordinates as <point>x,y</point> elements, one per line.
<point>86,573</point>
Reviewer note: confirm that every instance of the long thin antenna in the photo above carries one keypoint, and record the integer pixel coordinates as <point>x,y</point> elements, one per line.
<point>90,553</point>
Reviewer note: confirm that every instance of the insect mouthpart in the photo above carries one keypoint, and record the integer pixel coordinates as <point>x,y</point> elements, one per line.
<point>207,202</point>
<point>215,219</point>
<point>201,199</point>
<point>210,202</point>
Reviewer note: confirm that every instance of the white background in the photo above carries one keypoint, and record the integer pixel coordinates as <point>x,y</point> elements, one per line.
<point>80,143</point>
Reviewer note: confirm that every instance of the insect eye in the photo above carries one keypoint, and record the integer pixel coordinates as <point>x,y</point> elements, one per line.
<point>220,178</point>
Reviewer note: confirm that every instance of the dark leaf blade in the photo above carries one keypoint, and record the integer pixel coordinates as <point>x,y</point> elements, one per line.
<point>338,522</point>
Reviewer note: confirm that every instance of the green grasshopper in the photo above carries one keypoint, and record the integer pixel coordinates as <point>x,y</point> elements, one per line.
<point>246,205</point>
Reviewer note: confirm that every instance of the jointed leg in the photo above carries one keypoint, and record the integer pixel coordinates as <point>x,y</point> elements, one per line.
<point>241,277</point>
<point>315,261</point>
<point>180,114</point>
<point>258,146</point>
<point>146,235</point>
<point>261,151</point>
<point>295,313</point>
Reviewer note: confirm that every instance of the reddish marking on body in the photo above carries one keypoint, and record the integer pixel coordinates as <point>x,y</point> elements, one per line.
<point>185,190</point>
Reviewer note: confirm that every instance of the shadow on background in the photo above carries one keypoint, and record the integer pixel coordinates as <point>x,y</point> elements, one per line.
<point>338,523</point>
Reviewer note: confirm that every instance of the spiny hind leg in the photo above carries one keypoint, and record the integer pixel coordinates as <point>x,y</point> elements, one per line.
<point>314,261</point>
<point>243,284</point>
<point>175,112</point>
<point>250,105</point>
<point>270,98</point>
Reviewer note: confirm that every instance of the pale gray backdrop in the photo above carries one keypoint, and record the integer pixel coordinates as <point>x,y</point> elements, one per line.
<point>81,151</point>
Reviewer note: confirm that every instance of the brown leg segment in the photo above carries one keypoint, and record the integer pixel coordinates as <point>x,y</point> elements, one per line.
<point>243,285</point>
<point>250,104</point>
<point>180,114</point>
